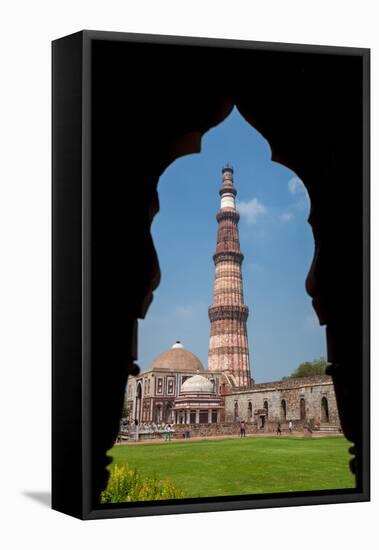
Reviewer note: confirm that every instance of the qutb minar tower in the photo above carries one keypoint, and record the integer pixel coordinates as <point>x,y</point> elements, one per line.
<point>228,344</point>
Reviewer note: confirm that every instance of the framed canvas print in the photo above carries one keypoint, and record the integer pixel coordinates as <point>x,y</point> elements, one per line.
<point>210,275</point>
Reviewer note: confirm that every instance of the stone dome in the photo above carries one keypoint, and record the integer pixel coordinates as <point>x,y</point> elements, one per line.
<point>178,358</point>
<point>197,384</point>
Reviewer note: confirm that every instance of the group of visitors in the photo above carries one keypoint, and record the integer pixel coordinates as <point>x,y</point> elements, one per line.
<point>307,429</point>
<point>167,431</point>
<point>279,428</point>
<point>133,429</point>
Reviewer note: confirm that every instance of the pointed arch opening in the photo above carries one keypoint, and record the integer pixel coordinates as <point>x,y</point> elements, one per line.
<point>283,410</point>
<point>303,414</point>
<point>324,410</point>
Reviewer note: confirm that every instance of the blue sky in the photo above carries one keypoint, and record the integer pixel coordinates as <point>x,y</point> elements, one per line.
<point>276,241</point>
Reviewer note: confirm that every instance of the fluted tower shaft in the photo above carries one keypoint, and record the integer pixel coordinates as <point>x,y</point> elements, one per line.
<point>228,343</point>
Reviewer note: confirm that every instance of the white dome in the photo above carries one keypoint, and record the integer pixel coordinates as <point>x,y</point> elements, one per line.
<point>197,384</point>
<point>177,345</point>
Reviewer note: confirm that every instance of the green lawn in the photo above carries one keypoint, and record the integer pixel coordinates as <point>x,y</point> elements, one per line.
<point>244,466</point>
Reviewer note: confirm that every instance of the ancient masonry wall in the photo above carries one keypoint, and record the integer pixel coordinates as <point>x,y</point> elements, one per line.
<point>267,399</point>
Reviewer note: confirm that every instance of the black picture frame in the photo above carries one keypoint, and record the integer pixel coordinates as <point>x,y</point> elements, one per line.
<point>89,159</point>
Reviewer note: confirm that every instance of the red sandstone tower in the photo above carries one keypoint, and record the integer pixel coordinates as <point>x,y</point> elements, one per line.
<point>228,344</point>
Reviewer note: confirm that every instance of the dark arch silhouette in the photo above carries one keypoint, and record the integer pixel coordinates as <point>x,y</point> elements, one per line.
<point>143,118</point>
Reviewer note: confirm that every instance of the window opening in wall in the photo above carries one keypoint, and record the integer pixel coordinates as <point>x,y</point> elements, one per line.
<point>283,410</point>
<point>250,410</point>
<point>324,410</point>
<point>302,409</point>
<point>203,417</point>
<point>236,411</point>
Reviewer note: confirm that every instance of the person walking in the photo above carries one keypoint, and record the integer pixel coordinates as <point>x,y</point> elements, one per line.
<point>136,427</point>
<point>278,429</point>
<point>290,425</point>
<point>242,428</point>
<point>169,432</point>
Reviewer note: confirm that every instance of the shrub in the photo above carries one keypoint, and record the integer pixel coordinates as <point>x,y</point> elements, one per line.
<point>126,485</point>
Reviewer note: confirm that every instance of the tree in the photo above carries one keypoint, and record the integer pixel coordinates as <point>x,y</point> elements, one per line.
<point>309,368</point>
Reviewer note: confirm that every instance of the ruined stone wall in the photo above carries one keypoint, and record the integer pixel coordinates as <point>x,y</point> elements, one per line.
<point>208,430</point>
<point>311,389</point>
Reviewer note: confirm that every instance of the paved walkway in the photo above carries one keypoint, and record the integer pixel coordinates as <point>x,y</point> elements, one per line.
<point>216,437</point>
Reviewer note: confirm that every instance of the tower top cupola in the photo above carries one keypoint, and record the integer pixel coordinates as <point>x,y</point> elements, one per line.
<point>227,190</point>
<point>228,168</point>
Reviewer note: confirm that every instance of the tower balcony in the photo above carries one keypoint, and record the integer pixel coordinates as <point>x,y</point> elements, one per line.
<point>228,256</point>
<point>237,312</point>
<point>227,214</point>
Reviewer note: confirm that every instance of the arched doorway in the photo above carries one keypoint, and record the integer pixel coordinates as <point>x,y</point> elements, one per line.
<point>168,413</point>
<point>250,411</point>
<point>302,409</point>
<point>283,410</point>
<point>235,411</point>
<point>137,408</point>
<point>265,406</point>
<point>158,413</point>
<point>324,410</point>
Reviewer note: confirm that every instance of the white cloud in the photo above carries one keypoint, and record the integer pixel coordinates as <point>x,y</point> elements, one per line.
<point>295,185</point>
<point>251,210</point>
<point>286,217</point>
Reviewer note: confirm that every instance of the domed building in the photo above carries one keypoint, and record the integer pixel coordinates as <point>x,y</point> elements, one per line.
<point>198,402</point>
<point>151,395</point>
<point>177,358</point>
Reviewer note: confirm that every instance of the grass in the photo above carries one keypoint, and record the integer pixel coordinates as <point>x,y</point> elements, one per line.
<point>244,466</point>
